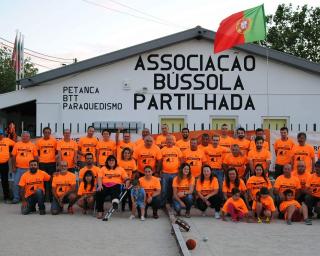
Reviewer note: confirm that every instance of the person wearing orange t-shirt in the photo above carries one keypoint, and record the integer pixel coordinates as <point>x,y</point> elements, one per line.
<point>86,191</point>
<point>312,200</point>
<point>236,160</point>
<point>208,191</point>
<point>86,145</point>
<point>125,143</point>
<point>47,147</point>
<point>195,157</point>
<point>303,152</point>
<point>205,142</point>
<point>259,155</point>
<point>89,166</point>
<point>244,144</point>
<point>303,177</point>
<point>184,143</point>
<point>148,154</point>
<point>183,186</point>
<point>282,148</point>
<point>23,152</point>
<point>139,142</point>
<point>68,150</point>
<point>152,188</point>
<point>63,190</point>
<point>225,140</point>
<point>235,206</point>
<point>32,189</point>
<point>263,205</point>
<point>162,138</point>
<point>105,148</point>
<point>6,146</point>
<point>259,133</point>
<point>110,180</point>
<point>171,158</point>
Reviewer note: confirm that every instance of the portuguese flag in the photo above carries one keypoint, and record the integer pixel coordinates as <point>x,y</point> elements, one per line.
<point>239,28</point>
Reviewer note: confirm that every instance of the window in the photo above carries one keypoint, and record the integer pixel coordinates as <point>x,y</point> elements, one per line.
<point>217,122</point>
<point>275,123</point>
<point>175,124</point>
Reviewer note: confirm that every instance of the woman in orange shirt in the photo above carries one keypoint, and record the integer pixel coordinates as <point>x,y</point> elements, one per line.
<point>232,180</point>
<point>86,192</point>
<point>183,185</point>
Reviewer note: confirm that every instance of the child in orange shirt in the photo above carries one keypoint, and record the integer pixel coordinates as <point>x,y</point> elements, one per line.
<point>235,206</point>
<point>292,210</point>
<point>86,192</point>
<point>263,205</point>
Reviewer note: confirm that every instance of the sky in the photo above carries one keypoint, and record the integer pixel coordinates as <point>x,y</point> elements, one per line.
<point>84,29</point>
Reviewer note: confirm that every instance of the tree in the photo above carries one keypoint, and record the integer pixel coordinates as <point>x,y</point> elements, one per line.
<point>7,73</point>
<point>296,32</point>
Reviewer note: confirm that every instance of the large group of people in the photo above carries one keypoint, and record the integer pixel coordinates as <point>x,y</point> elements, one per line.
<point>231,175</point>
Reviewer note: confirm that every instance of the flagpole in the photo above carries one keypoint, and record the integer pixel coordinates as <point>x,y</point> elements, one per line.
<point>268,99</point>
<point>16,58</point>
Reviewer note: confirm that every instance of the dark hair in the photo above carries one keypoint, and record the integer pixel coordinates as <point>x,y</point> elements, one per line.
<point>88,173</point>
<point>287,192</point>
<point>224,125</point>
<point>205,135</point>
<point>241,129</point>
<point>90,127</point>
<point>263,173</point>
<point>258,138</point>
<point>202,175</point>
<point>109,158</point>
<point>126,149</point>
<point>235,191</point>
<point>88,154</point>
<point>33,161</point>
<point>236,181</point>
<point>259,130</point>
<point>185,129</point>
<point>264,191</point>
<point>46,128</point>
<point>106,130</point>
<point>284,129</point>
<point>147,167</point>
<point>135,182</point>
<point>302,134</point>
<point>180,172</point>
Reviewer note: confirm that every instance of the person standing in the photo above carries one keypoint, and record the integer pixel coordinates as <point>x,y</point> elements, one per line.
<point>184,143</point>
<point>105,148</point>
<point>68,150</point>
<point>86,145</point>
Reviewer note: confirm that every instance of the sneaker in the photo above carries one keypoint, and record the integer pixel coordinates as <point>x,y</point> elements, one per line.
<point>142,218</point>
<point>203,214</point>
<point>187,214</point>
<point>26,211</point>
<point>42,212</point>
<point>132,217</point>
<point>155,214</point>
<point>217,215</point>
<point>259,220</point>
<point>289,222</point>
<point>70,210</point>
<point>267,220</point>
<point>14,201</point>
<point>115,203</point>
<point>308,221</point>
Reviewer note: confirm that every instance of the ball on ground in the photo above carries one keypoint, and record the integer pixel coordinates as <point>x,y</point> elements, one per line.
<point>191,244</point>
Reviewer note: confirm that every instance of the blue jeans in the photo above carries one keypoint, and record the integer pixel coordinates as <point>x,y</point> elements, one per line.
<point>36,198</point>
<point>16,179</point>
<point>188,201</point>
<point>166,187</point>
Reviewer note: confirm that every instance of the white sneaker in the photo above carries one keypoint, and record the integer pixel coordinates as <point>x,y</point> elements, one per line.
<point>142,218</point>
<point>217,215</point>
<point>132,217</point>
<point>203,214</point>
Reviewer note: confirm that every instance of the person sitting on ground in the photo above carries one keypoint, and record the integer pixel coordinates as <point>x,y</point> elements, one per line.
<point>138,198</point>
<point>263,205</point>
<point>183,186</point>
<point>235,206</point>
<point>63,190</point>
<point>208,191</point>
<point>292,210</point>
<point>32,189</point>
<point>86,192</point>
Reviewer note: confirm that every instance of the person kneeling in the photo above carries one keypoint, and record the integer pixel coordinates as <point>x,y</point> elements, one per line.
<point>63,190</point>
<point>263,205</point>
<point>138,198</point>
<point>86,192</point>
<point>292,210</point>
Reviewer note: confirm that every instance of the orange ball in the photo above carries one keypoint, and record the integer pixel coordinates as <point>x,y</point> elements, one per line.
<point>191,244</point>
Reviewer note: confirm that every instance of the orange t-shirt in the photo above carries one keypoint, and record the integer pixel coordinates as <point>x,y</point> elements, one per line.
<point>86,191</point>
<point>238,162</point>
<point>139,143</point>
<point>195,159</point>
<point>105,149</point>
<point>314,185</point>
<point>63,183</point>
<point>115,176</point>
<point>243,144</point>
<point>67,150</point>
<point>237,204</point>
<point>259,157</point>
<point>285,204</point>
<point>32,182</point>
<point>47,150</point>
<point>267,203</point>
<point>254,184</point>
<point>161,140</point>
<point>183,145</point>
<point>129,166</point>
<point>226,142</point>
<point>303,178</point>
<point>147,156</point>
<point>204,148</point>
<point>214,156</point>
<point>303,153</point>
<point>264,146</point>
<point>184,184</point>
<point>87,145</point>
<point>122,145</point>
<point>225,189</point>
<point>24,153</point>
<point>151,185</point>
<point>170,159</point>
<point>207,187</point>
<point>95,170</point>
<point>282,149</point>
<point>282,183</point>
<point>5,145</point>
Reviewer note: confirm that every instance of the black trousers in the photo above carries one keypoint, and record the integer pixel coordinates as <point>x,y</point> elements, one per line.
<point>278,170</point>
<point>113,191</point>
<point>215,202</point>
<point>311,202</point>
<point>4,172</point>
<point>49,168</point>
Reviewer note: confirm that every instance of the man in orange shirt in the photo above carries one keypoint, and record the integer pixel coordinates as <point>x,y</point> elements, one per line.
<point>89,167</point>
<point>23,152</point>
<point>303,177</point>
<point>139,142</point>
<point>282,148</point>
<point>32,189</point>
<point>47,157</point>
<point>205,142</point>
<point>184,143</point>
<point>161,138</point>
<point>303,152</point>
<point>105,148</point>
<point>86,145</point>
<point>171,158</point>
<point>6,146</point>
<point>125,143</point>
<point>225,139</point>
<point>235,160</point>
<point>244,144</point>
<point>312,200</point>
<point>259,133</point>
<point>195,157</point>
<point>68,150</point>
